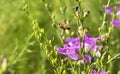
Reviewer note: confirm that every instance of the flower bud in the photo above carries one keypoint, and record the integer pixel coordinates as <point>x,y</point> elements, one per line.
<point>86,29</point>
<point>86,13</point>
<point>4,64</point>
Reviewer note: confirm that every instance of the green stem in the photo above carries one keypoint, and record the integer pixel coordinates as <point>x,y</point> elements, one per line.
<point>104,16</point>
<point>24,49</point>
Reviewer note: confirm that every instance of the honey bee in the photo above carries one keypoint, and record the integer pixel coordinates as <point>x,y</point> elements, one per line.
<point>63,26</point>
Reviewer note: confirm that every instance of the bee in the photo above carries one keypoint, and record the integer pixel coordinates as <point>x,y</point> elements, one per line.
<point>63,26</point>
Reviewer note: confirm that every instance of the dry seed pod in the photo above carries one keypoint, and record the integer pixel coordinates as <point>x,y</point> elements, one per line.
<point>76,9</point>
<point>77,13</point>
<point>66,21</point>
<point>86,13</point>
<point>4,64</point>
<point>86,29</point>
<point>80,29</point>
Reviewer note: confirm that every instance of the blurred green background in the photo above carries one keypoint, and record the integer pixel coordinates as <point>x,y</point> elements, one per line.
<point>16,29</point>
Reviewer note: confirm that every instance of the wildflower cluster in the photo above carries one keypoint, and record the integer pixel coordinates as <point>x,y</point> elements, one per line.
<point>80,53</point>
<point>70,39</point>
<point>75,45</point>
<point>85,49</point>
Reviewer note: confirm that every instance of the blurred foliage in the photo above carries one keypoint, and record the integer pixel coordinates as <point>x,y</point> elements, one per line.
<point>16,31</point>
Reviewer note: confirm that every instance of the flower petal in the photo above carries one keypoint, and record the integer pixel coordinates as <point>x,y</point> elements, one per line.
<point>115,22</point>
<point>88,58</point>
<point>90,43</point>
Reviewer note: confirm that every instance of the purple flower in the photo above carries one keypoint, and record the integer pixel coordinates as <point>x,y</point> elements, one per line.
<point>90,43</point>
<point>118,11</point>
<point>97,53</point>
<point>88,58</point>
<point>70,50</point>
<point>93,72</point>
<point>73,46</point>
<point>108,10</point>
<point>100,72</point>
<point>115,22</point>
<point>74,42</point>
